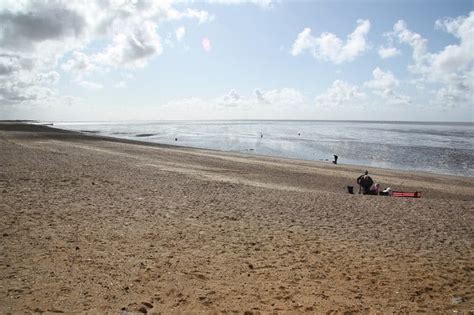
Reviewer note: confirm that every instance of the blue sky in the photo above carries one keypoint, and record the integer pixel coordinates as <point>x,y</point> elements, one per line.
<point>231,59</point>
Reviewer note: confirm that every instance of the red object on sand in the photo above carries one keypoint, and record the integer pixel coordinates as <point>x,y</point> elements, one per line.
<point>415,194</point>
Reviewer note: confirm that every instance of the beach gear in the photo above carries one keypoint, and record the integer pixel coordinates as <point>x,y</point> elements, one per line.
<point>350,189</point>
<point>409,194</point>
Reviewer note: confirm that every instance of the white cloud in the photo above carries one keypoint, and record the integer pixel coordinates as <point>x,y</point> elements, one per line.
<point>48,78</point>
<point>260,96</point>
<point>456,58</point>
<point>120,84</point>
<point>201,16</point>
<point>232,99</point>
<point>41,22</point>
<point>340,94</point>
<point>378,92</point>
<point>384,81</point>
<point>415,40</point>
<point>304,41</point>
<point>23,90</point>
<point>388,52</point>
<point>233,96</point>
<point>90,85</point>
<point>21,80</point>
<point>133,48</point>
<point>384,85</point>
<point>331,48</point>
<point>10,64</point>
<point>285,103</point>
<point>180,32</point>
<point>275,100</point>
<point>452,67</point>
<point>35,36</point>
<point>451,97</point>
<point>79,65</point>
<point>261,3</point>
<point>285,98</point>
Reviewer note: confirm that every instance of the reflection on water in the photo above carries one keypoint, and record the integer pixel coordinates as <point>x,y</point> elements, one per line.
<point>445,148</point>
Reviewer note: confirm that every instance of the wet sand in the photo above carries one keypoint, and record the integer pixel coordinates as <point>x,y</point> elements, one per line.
<point>96,225</point>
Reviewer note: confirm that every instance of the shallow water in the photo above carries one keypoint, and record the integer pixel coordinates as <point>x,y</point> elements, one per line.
<point>442,148</point>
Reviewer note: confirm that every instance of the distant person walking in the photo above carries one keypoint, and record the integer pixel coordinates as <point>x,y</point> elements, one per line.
<point>335,159</point>
<point>365,182</point>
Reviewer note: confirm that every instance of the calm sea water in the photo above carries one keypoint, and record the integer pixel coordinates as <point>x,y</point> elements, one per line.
<point>443,148</point>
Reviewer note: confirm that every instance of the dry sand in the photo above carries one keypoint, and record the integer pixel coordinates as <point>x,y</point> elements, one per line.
<point>97,225</point>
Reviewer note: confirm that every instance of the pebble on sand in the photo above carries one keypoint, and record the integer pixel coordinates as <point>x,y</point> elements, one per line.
<point>455,300</point>
<point>147,304</point>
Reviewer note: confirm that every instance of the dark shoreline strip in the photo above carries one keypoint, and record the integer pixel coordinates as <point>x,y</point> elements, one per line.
<point>142,135</point>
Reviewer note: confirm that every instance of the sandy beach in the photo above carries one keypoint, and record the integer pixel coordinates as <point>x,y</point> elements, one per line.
<point>96,225</point>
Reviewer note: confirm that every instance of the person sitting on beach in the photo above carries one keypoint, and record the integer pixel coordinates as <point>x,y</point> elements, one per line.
<point>374,190</point>
<point>365,183</point>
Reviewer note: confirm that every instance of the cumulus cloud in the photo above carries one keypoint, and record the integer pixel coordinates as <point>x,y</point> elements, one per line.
<point>51,77</point>
<point>275,99</point>
<point>456,58</point>
<point>43,21</point>
<point>12,63</point>
<point>260,96</point>
<point>23,90</point>
<point>120,84</point>
<point>232,99</point>
<point>331,48</point>
<point>133,48</point>
<point>33,37</point>
<point>180,32</point>
<point>39,37</point>
<point>384,84</point>
<point>452,67</point>
<point>90,85</point>
<point>388,52</point>
<point>285,98</point>
<point>201,16</point>
<point>262,104</point>
<point>79,64</point>
<point>415,40</point>
<point>304,41</point>
<point>20,83</point>
<point>381,90</point>
<point>261,3</point>
<point>340,94</point>
<point>451,96</point>
<point>383,81</point>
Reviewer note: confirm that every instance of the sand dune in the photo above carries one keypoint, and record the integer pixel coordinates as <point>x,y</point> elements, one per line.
<point>91,224</point>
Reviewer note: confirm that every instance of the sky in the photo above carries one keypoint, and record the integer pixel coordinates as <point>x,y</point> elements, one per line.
<point>109,60</point>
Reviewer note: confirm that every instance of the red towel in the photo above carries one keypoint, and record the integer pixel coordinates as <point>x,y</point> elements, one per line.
<point>414,194</point>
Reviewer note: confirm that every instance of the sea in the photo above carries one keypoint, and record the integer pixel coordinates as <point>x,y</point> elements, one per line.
<point>434,147</point>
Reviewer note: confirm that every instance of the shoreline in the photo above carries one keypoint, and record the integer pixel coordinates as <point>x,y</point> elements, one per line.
<point>92,224</point>
<point>361,166</point>
<point>356,170</point>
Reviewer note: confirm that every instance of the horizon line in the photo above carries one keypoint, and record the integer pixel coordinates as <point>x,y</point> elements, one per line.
<point>234,119</point>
